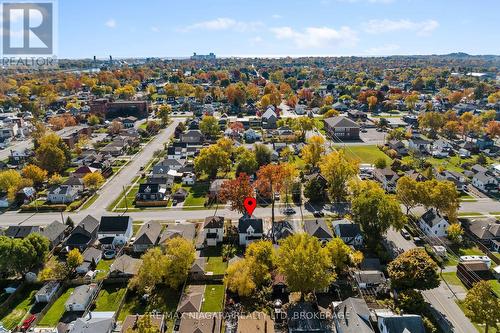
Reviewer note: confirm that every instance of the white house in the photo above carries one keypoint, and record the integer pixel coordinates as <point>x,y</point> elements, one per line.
<point>213,230</point>
<point>433,224</point>
<point>249,230</point>
<point>80,297</point>
<point>45,294</point>
<point>389,322</point>
<point>189,178</point>
<point>115,230</point>
<point>349,232</point>
<point>485,182</point>
<point>62,194</point>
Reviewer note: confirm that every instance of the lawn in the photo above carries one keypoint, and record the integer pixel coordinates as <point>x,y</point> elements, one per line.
<point>103,268</point>
<point>365,154</point>
<point>469,214</point>
<point>90,201</point>
<point>495,285</point>
<point>216,265</point>
<point>110,297</point>
<point>471,251</point>
<point>20,308</point>
<point>56,311</point>
<point>197,194</point>
<point>452,279</point>
<point>213,298</point>
<point>162,299</point>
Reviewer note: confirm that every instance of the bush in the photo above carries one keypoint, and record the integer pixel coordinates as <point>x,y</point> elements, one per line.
<point>433,255</point>
<point>44,208</point>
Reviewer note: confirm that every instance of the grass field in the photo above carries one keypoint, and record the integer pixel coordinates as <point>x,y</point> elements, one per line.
<point>365,154</point>
<point>90,201</point>
<point>197,194</point>
<point>103,268</point>
<point>110,297</point>
<point>19,309</point>
<point>56,311</point>
<point>214,298</point>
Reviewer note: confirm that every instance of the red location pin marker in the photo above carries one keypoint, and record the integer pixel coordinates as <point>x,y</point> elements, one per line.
<point>250,204</point>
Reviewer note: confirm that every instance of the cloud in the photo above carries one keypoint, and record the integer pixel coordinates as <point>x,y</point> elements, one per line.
<point>224,23</point>
<point>422,28</point>
<point>317,37</point>
<point>277,16</point>
<point>382,50</point>
<point>155,29</point>
<point>111,23</point>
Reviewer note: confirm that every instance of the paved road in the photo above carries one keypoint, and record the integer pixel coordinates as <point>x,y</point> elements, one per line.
<point>18,145</point>
<point>111,189</point>
<point>441,298</point>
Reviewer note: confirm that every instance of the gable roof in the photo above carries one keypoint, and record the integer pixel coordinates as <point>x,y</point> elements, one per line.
<point>126,265</point>
<point>345,228</point>
<point>317,228</point>
<point>214,222</point>
<point>353,316</point>
<point>20,231</point>
<point>432,217</point>
<point>114,224</point>
<point>185,230</point>
<point>340,121</point>
<point>402,324</point>
<point>148,233</point>
<point>53,230</point>
<point>244,222</point>
<point>191,299</point>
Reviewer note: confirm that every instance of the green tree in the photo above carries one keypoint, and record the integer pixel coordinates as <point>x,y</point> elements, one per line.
<point>180,257</point>
<point>262,154</point>
<point>144,325</point>
<point>413,269</point>
<point>408,193</point>
<point>314,190</point>
<point>313,151</point>
<point>211,160</point>
<point>376,211</point>
<point>380,163</point>
<point>209,126</point>
<point>246,162</point>
<point>337,170</point>
<point>340,254</point>
<point>163,113</point>
<point>50,158</point>
<point>482,306</point>
<point>152,271</point>
<point>93,120</point>
<point>263,260</point>
<point>299,251</point>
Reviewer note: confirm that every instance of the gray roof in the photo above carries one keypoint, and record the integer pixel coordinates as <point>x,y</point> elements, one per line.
<point>91,254</point>
<point>148,233</point>
<point>353,316</point>
<point>431,217</point>
<point>317,228</point>
<point>403,324</point>
<point>185,230</point>
<point>245,222</point>
<point>191,299</point>
<point>125,265</point>
<point>341,121</point>
<point>92,325</point>
<point>53,230</point>
<point>81,294</point>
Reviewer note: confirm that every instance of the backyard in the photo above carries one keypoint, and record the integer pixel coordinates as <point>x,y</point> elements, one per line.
<point>103,268</point>
<point>56,311</point>
<point>196,194</point>
<point>365,154</point>
<point>20,308</point>
<point>162,299</point>
<point>109,297</point>
<point>213,298</point>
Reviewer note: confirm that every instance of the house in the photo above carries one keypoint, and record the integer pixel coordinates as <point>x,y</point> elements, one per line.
<point>215,186</point>
<point>455,177</point>
<point>186,230</point>
<point>282,229</point>
<point>188,178</point>
<point>485,182</point>
<point>147,237</point>
<point>349,232</point>
<point>197,269</point>
<point>486,231</point>
<point>398,146</point>
<point>389,322</point>
<point>369,278</point>
<point>20,231</point>
<point>192,137</point>
<point>125,266</point>
<point>84,234</point>
<point>180,195</point>
<point>255,322</point>
<point>342,128</point>
<point>130,323</point>
<point>91,257</point>
<point>420,145</point>
<point>213,230</point>
<point>306,317</point>
<point>25,195</point>
<point>92,325</point>
<point>249,229</point>
<point>80,298</point>
<point>170,164</point>
<point>62,194</point>
<point>352,316</point>
<point>269,118</point>
<point>115,230</point>
<point>318,229</point>
<point>55,233</point>
<point>441,148</point>
<point>339,106</point>
<point>191,299</point>
<point>83,170</point>
<point>387,178</point>
<point>200,322</point>
<point>433,224</point>
<point>76,183</point>
<point>151,192</point>
<point>250,135</point>
<point>47,292</point>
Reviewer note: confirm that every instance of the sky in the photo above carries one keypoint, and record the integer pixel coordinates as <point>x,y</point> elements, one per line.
<point>155,28</point>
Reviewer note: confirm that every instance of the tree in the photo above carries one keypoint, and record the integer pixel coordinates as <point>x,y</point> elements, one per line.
<point>262,259</point>
<point>340,254</point>
<point>431,121</point>
<point>209,126</point>
<point>20,255</point>
<point>493,129</point>
<point>337,170</point>
<point>93,120</point>
<point>372,101</point>
<point>413,269</point>
<point>376,211</point>
<point>93,180</point>
<point>262,154</point>
<point>74,259</point>
<point>270,181</point>
<point>235,191</point>
<point>246,162</point>
<point>52,154</point>
<point>53,270</point>
<point>443,196</point>
<point>380,163</point>
<point>482,306</point>
<point>35,173</point>
<point>313,151</point>
<point>314,190</point>
<point>408,193</point>
<point>180,257</point>
<point>239,278</point>
<point>55,179</point>
<point>164,114</point>
<point>144,324</point>
<point>9,179</point>
<point>115,127</point>
<point>299,251</point>
<point>152,271</point>
<point>303,124</point>
<point>455,233</point>
<point>211,160</point>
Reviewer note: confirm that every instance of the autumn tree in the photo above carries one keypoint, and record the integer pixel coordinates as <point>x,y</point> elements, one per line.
<point>144,324</point>
<point>270,181</point>
<point>493,129</point>
<point>9,179</point>
<point>313,151</point>
<point>239,278</point>
<point>262,257</point>
<point>372,101</point>
<point>246,162</point>
<point>481,306</point>
<point>115,127</point>
<point>235,191</point>
<point>180,254</point>
<point>74,259</point>
<point>408,192</point>
<point>93,180</point>
<point>340,254</point>
<point>455,233</point>
<point>151,272</point>
<point>35,173</point>
<point>211,160</point>
<point>413,269</point>
<point>337,170</point>
<point>209,126</point>
<point>302,250</point>
<point>163,113</point>
<point>53,270</point>
<point>375,211</point>
<point>430,122</point>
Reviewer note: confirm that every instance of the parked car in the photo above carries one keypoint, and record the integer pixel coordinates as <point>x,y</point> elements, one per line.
<point>318,213</point>
<point>405,234</point>
<point>289,211</point>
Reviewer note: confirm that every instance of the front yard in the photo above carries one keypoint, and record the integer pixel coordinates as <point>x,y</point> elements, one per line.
<point>196,194</point>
